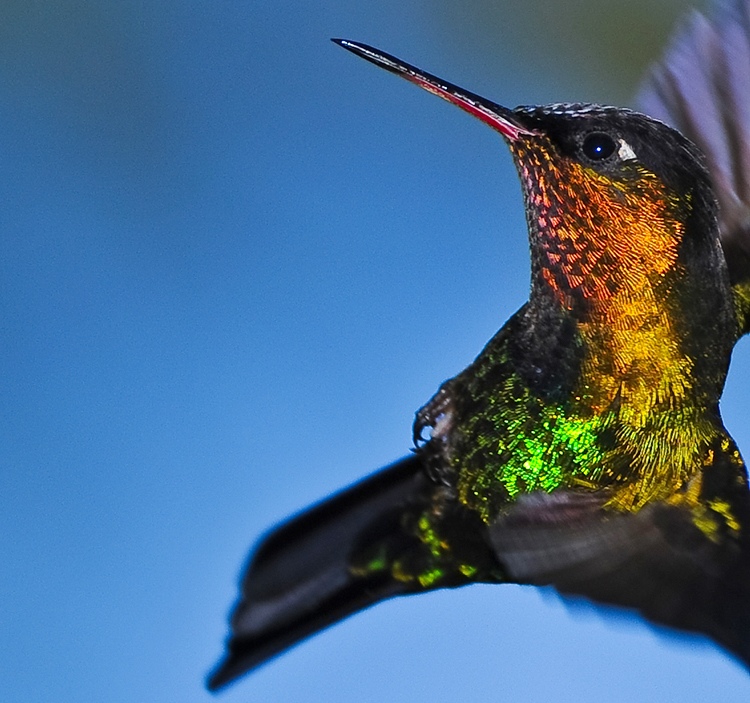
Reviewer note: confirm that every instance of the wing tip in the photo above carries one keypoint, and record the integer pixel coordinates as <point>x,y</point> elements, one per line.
<point>226,671</point>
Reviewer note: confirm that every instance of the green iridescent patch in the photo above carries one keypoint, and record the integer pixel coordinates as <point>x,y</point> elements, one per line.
<point>544,456</point>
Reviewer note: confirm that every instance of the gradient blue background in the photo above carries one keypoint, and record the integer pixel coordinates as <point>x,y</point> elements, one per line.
<point>234,260</point>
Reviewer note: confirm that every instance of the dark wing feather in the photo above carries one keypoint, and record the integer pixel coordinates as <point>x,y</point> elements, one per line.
<point>655,561</point>
<point>702,87</point>
<point>299,579</point>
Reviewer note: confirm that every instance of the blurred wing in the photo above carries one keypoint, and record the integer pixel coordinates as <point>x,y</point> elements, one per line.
<point>299,579</point>
<point>701,86</point>
<point>655,561</point>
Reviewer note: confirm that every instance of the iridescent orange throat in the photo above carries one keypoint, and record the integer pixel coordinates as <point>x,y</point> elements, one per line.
<point>602,243</point>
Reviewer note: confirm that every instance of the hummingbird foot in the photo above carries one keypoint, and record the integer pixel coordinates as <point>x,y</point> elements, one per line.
<point>437,416</point>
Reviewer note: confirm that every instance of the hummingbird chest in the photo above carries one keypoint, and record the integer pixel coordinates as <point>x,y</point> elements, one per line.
<point>596,407</point>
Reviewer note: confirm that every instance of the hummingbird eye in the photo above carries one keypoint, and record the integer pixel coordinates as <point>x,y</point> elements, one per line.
<point>598,146</point>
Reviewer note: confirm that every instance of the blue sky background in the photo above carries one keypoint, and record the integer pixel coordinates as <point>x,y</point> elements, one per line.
<point>234,261</point>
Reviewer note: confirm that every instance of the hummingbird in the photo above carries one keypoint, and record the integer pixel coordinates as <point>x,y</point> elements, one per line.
<point>583,448</point>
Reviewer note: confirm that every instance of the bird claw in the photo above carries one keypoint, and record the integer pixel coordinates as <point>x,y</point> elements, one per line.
<point>437,415</point>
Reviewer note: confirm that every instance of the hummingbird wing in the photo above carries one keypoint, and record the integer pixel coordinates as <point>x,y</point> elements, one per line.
<point>656,561</point>
<point>701,86</point>
<point>300,581</point>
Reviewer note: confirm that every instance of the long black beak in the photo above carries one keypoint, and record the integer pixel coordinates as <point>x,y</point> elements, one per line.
<point>496,116</point>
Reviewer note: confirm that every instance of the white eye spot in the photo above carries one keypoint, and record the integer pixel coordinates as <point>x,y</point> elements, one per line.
<point>625,152</point>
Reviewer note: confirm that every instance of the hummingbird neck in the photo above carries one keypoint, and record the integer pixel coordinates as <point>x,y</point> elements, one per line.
<point>618,257</point>
<point>632,353</point>
<point>634,356</point>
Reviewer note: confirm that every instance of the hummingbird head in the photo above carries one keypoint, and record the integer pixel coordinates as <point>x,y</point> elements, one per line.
<point>619,205</point>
